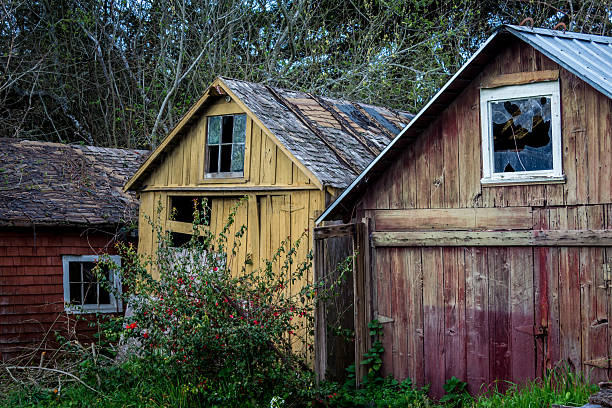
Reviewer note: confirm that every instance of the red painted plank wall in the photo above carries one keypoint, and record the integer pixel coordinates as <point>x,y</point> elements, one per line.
<point>31,284</point>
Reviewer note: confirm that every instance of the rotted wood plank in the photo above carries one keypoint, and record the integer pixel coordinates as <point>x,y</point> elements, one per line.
<point>558,238</point>
<point>519,78</point>
<point>340,230</point>
<point>509,218</point>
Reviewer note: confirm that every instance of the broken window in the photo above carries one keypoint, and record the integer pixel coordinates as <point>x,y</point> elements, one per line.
<point>83,287</point>
<point>521,133</point>
<point>225,145</point>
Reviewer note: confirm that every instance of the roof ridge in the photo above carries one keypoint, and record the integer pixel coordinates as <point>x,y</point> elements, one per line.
<point>558,33</point>
<point>307,93</point>
<point>71,145</point>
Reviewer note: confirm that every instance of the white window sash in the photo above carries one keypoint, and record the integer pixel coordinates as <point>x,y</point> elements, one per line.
<point>506,93</point>
<point>116,304</point>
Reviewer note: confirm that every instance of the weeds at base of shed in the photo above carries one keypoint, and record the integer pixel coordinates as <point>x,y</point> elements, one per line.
<point>561,386</point>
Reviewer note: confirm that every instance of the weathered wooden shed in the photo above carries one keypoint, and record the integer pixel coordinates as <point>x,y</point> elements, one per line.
<point>488,220</point>
<point>289,152</point>
<point>61,206</point>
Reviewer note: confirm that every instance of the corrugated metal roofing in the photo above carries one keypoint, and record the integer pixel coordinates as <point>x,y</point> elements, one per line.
<point>586,56</point>
<point>589,57</point>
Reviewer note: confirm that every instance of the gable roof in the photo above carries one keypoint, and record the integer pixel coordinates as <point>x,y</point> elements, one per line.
<point>46,183</point>
<point>332,139</point>
<point>589,57</point>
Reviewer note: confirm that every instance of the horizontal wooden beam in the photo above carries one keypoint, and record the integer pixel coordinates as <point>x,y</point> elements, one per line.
<point>508,218</point>
<point>332,231</point>
<point>232,188</point>
<point>520,78</point>
<point>561,238</point>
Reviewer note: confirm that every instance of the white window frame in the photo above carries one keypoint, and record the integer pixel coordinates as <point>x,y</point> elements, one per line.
<point>115,306</point>
<point>505,93</point>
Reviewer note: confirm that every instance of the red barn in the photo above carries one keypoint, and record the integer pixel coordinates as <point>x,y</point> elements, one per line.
<point>488,219</point>
<point>61,206</point>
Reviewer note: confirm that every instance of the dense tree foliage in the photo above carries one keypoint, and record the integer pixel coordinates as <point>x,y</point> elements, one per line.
<point>121,72</point>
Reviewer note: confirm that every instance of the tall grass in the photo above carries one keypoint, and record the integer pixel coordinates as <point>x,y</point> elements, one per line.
<point>559,386</point>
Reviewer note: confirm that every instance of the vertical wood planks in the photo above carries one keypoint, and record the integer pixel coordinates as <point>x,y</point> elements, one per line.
<point>383,287</point>
<point>569,288</point>
<point>470,155</point>
<point>399,313</point>
<point>454,313</point>
<point>256,153</point>
<point>572,121</point>
<point>500,364</point>
<point>267,172</point>
<point>423,192</point>
<point>284,172</point>
<point>436,167</point>
<point>477,319</point>
<point>433,319</point>
<point>396,193</point>
<point>408,178</point>
<point>451,157</point>
<point>594,297</point>
<point>522,314</point>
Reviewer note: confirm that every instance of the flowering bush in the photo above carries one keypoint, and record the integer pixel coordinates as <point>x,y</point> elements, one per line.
<point>229,336</point>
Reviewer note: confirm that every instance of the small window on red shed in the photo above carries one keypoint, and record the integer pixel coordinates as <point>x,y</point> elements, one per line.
<point>84,291</point>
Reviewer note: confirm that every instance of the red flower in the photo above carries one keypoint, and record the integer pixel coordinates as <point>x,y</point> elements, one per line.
<point>131,326</point>
<point>145,335</point>
<point>231,316</point>
<point>215,269</point>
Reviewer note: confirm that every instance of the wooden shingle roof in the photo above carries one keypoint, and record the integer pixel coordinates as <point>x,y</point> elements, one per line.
<point>45,183</point>
<point>333,139</point>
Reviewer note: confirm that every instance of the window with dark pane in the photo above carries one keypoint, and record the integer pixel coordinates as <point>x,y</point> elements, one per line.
<point>183,208</point>
<point>85,287</point>
<point>225,144</point>
<point>522,134</point>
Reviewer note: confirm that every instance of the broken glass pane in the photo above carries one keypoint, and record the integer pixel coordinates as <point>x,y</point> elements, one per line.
<point>214,129</point>
<point>239,128</point>
<point>226,158</point>
<point>522,134</point>
<point>237,157</point>
<point>227,130</point>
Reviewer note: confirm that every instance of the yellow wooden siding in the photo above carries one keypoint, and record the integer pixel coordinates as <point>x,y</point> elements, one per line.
<point>265,163</point>
<point>270,218</point>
